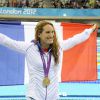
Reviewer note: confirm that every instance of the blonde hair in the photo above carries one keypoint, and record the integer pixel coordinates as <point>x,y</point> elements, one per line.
<point>54,46</point>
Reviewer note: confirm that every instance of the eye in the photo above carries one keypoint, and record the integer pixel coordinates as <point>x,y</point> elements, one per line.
<point>47,31</point>
<point>53,32</point>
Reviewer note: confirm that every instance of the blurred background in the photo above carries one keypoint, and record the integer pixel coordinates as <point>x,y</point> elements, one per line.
<point>80,4</point>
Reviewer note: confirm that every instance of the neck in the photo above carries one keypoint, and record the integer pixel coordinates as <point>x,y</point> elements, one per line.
<point>44,46</point>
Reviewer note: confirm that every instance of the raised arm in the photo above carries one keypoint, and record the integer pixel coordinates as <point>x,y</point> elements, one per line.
<point>19,46</point>
<point>78,38</point>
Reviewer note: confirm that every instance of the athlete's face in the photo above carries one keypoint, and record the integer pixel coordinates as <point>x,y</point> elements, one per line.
<point>47,35</point>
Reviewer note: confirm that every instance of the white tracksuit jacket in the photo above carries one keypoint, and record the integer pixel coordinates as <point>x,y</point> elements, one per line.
<point>35,66</point>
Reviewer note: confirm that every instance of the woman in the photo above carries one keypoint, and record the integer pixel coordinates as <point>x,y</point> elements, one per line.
<point>42,55</point>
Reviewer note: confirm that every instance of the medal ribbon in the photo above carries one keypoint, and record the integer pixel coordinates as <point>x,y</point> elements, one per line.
<point>46,69</point>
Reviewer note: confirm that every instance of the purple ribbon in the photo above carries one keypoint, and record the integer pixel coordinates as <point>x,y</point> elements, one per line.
<point>46,69</point>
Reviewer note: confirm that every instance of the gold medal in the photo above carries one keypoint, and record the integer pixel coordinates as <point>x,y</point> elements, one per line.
<point>46,81</point>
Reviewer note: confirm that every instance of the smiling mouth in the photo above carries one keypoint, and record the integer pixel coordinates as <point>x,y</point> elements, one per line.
<point>49,38</point>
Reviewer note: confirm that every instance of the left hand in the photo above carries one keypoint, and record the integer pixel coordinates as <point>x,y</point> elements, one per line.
<point>94,27</point>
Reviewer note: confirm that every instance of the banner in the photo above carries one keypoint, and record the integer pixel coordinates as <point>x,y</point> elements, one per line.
<point>78,63</point>
<point>49,12</point>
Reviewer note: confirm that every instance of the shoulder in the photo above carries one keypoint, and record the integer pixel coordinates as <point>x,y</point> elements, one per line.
<point>31,45</point>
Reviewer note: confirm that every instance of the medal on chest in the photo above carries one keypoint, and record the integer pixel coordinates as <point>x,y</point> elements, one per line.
<point>46,81</point>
